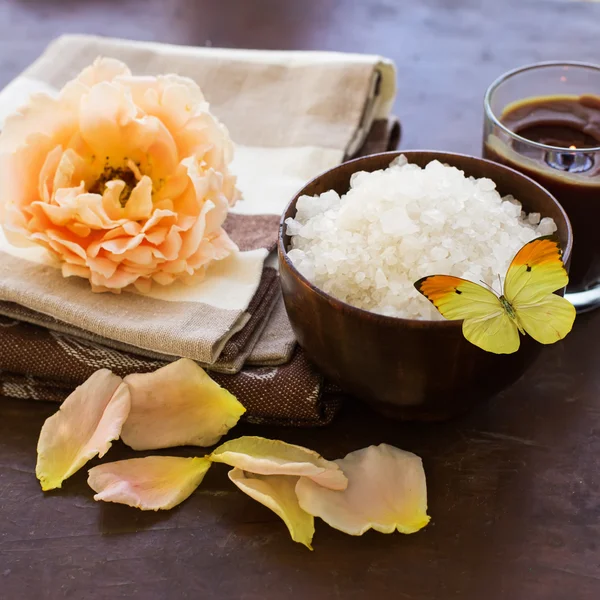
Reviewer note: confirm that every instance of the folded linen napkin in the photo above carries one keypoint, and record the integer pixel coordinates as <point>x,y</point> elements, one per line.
<point>291,114</point>
<point>39,283</point>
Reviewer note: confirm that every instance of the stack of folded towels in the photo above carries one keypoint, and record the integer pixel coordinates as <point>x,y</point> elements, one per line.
<point>291,115</point>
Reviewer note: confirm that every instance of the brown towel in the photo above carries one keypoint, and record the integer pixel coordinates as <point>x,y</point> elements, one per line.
<point>40,364</point>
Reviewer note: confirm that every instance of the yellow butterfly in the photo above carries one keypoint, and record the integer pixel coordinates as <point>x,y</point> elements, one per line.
<point>528,304</point>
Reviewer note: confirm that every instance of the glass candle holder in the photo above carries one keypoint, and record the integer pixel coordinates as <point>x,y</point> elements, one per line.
<point>544,121</point>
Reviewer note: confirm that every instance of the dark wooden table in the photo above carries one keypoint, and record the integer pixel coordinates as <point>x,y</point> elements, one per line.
<point>514,488</point>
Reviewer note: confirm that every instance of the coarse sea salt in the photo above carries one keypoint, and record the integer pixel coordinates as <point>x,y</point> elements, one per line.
<point>394,226</point>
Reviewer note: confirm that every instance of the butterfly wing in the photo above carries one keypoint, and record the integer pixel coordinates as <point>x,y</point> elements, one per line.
<point>548,320</point>
<point>536,271</point>
<point>486,322</point>
<point>499,334</point>
<point>534,274</point>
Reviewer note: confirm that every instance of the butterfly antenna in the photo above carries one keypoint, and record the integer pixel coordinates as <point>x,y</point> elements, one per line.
<point>487,285</point>
<point>500,283</point>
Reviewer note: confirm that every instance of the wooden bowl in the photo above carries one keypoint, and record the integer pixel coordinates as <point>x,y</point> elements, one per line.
<point>406,368</point>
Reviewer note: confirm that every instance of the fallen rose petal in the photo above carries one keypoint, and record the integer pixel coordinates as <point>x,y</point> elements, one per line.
<point>274,457</point>
<point>178,405</point>
<point>386,491</point>
<point>277,492</point>
<point>85,425</point>
<point>151,483</point>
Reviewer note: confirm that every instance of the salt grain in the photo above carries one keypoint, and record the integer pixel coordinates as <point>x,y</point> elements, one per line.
<point>397,225</point>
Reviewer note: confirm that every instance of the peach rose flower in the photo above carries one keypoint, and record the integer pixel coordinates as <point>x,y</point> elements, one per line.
<point>125,180</point>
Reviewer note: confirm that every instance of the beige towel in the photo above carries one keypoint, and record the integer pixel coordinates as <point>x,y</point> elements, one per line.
<point>291,114</point>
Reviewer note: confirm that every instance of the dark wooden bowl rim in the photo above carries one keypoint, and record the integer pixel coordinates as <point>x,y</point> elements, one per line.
<point>384,319</point>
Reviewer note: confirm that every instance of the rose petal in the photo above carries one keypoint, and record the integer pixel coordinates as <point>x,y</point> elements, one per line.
<point>151,483</point>
<point>103,69</point>
<point>277,492</point>
<point>157,217</point>
<point>132,228</point>
<point>196,233</point>
<point>115,283</point>
<point>86,212</point>
<point>48,172</point>
<point>162,153</point>
<point>115,246</point>
<point>64,175</point>
<point>85,425</point>
<point>386,491</point>
<point>61,244</point>
<point>111,234</point>
<point>104,112</point>
<point>142,255</point>
<point>139,205</point>
<point>178,405</point>
<point>68,198</point>
<point>158,235</point>
<point>70,270</point>
<point>111,202</point>
<point>57,215</point>
<point>143,285</point>
<point>139,135</point>
<point>274,457</point>
<point>163,278</point>
<point>173,186</point>
<point>102,266</point>
<point>79,230</point>
<point>172,98</point>
<point>44,119</point>
<point>171,246</point>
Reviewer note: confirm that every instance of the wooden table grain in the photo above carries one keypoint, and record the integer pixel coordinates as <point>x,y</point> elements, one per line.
<point>514,486</point>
